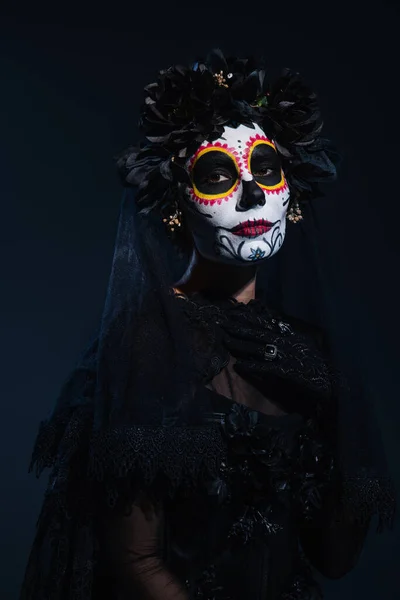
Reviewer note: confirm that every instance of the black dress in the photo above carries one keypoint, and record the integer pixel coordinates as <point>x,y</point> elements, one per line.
<point>255,530</point>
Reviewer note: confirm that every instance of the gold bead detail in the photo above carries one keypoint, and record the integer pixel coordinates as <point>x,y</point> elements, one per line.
<point>173,220</point>
<point>294,214</point>
<point>220,79</point>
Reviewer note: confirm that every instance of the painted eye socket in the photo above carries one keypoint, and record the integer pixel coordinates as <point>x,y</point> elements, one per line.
<point>214,175</point>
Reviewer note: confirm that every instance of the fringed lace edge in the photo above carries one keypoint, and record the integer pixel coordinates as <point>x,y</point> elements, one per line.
<point>126,460</point>
<point>365,497</point>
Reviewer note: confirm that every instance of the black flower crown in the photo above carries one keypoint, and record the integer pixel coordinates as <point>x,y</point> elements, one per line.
<point>188,105</point>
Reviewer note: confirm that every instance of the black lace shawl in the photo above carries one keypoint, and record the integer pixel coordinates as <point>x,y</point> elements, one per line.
<point>124,420</point>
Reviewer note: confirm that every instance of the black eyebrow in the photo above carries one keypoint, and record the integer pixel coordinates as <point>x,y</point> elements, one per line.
<point>264,152</point>
<point>263,148</point>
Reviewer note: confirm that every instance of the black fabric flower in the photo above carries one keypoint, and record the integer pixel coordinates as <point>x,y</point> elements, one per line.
<point>187,105</point>
<point>241,421</point>
<point>294,109</point>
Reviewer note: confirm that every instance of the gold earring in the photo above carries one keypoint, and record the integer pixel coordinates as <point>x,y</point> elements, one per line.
<point>294,213</point>
<point>174,220</point>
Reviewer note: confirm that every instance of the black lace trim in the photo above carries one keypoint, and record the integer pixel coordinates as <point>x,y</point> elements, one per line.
<point>364,497</point>
<point>93,473</point>
<point>126,460</point>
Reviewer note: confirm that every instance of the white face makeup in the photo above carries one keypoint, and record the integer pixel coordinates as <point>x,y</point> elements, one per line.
<point>237,206</point>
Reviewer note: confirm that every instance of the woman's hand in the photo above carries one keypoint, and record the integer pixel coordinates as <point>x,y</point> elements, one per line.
<point>134,546</point>
<point>272,350</point>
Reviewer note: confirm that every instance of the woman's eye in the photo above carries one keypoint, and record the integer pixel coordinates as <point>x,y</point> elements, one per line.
<point>217,178</point>
<point>264,172</point>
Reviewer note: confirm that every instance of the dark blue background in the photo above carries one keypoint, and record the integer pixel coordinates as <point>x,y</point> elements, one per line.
<point>71,83</point>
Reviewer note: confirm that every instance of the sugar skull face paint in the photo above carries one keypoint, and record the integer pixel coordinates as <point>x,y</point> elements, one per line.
<point>237,204</point>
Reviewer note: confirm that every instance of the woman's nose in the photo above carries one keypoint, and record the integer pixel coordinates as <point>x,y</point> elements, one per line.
<point>252,195</point>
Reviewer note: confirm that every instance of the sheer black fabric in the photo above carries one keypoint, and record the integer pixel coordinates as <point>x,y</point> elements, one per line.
<point>164,409</point>
<point>240,536</point>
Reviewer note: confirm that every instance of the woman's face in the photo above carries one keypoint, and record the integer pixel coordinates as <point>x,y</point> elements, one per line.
<point>237,204</point>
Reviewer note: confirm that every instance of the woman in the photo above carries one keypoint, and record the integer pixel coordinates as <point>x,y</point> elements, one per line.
<point>206,446</point>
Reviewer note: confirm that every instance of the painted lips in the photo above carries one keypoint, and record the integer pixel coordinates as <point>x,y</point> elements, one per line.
<point>252,228</point>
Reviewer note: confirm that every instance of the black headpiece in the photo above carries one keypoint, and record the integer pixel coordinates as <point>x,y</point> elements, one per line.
<point>188,105</point>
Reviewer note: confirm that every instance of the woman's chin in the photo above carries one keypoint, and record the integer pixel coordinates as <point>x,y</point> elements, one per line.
<point>245,253</point>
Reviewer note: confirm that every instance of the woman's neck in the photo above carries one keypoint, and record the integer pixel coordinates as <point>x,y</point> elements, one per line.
<point>230,281</point>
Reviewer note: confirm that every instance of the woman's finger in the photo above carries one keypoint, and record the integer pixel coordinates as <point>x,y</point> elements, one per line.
<point>244,332</point>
